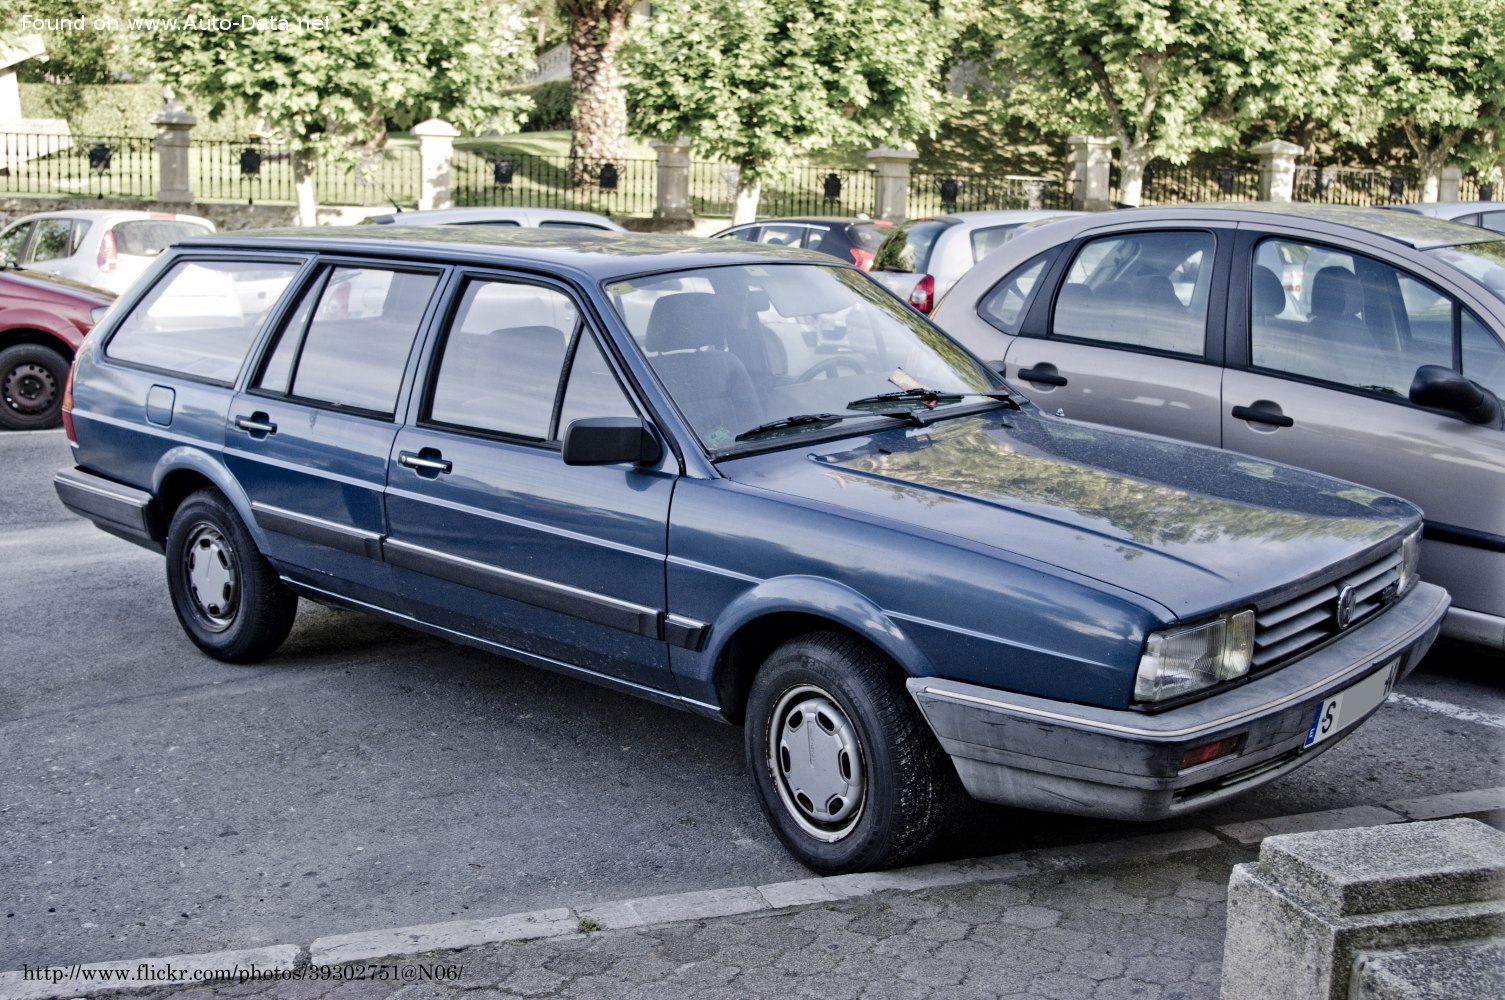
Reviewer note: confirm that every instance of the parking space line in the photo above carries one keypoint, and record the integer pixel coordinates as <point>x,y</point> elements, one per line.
<point>1458,712</point>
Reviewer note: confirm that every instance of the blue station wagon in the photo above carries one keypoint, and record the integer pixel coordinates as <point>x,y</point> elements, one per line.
<point>750,483</point>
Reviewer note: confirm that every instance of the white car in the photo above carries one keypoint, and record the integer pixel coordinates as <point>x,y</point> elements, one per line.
<point>1484,214</point>
<point>106,249</point>
<point>921,260</point>
<point>531,218</point>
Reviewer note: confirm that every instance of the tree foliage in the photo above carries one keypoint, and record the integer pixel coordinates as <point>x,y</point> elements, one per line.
<point>378,61</point>
<point>598,28</point>
<point>763,83</point>
<point>1436,68</point>
<point>1164,77</point>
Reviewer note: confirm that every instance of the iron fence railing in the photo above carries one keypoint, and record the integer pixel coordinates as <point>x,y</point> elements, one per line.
<point>64,166</point>
<point>1167,183</point>
<point>1331,185</point>
<point>939,192</point>
<point>619,187</point>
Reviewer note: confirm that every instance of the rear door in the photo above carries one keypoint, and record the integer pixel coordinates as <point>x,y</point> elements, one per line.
<point>491,534</point>
<point>1132,336</point>
<point>309,438</point>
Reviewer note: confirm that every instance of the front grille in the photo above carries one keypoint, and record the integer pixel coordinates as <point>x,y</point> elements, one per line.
<point>1288,629</point>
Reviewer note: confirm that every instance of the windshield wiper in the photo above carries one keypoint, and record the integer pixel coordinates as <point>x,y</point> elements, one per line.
<point>799,420</point>
<point>929,398</point>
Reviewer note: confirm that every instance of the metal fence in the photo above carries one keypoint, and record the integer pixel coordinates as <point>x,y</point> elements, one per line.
<point>63,166</point>
<point>1166,183</point>
<point>1329,185</point>
<point>937,193</point>
<point>624,187</point>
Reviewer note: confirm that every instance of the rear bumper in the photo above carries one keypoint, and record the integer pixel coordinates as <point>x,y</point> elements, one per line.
<point>1061,757</point>
<point>121,510</point>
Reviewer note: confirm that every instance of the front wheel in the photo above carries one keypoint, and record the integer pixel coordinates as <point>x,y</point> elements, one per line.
<point>31,387</point>
<point>847,771</point>
<point>225,593</point>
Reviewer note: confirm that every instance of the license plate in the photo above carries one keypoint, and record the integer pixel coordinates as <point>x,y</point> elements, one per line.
<point>1337,712</point>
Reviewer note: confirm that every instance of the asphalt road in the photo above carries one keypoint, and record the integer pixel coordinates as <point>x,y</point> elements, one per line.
<point>156,802</point>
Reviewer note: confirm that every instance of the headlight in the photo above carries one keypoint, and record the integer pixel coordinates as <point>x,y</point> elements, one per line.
<point>1410,555</point>
<point>1178,662</point>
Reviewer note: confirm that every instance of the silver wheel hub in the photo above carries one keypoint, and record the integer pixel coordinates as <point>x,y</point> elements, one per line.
<point>29,388</point>
<point>212,576</point>
<point>816,761</point>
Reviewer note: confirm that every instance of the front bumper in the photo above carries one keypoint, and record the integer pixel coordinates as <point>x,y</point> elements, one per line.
<point>1040,754</point>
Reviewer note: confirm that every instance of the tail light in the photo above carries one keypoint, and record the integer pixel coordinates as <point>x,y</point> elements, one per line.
<point>68,405</point>
<point>862,258</point>
<point>107,258</point>
<point>923,296</point>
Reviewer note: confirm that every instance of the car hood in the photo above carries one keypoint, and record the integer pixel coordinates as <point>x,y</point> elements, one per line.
<point>1189,527</point>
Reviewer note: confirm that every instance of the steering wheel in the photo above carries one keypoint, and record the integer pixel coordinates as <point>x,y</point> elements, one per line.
<point>851,362</point>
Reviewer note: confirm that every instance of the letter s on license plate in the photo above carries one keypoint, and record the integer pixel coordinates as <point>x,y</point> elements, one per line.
<point>1337,712</point>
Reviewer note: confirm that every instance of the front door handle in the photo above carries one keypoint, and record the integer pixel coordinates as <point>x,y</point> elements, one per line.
<point>1042,375</point>
<point>1263,412</point>
<point>428,462</point>
<point>258,424</point>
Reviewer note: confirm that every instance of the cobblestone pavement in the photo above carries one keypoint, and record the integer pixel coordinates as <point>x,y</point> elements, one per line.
<point>1145,929</point>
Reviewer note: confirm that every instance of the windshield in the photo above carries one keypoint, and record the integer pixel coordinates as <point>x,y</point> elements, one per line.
<point>1484,262</point>
<point>739,347</point>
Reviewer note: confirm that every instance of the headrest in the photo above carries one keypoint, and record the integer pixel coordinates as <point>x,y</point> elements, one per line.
<point>1268,293</point>
<point>538,341</point>
<point>686,321</point>
<point>1335,293</point>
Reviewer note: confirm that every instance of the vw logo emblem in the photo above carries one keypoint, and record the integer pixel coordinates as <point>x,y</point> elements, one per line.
<point>1346,598</point>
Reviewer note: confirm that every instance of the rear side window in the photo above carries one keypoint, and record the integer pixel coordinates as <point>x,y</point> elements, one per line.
<point>1004,305</point>
<point>149,237</point>
<point>348,341</point>
<point>985,241</point>
<point>1142,290</point>
<point>201,317</point>
<point>56,239</point>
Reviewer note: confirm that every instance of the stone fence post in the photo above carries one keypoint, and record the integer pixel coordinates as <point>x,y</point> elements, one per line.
<point>1320,915</point>
<point>673,200</point>
<point>891,197</point>
<point>1277,169</point>
<point>173,122</point>
<point>1452,180</point>
<point>1091,161</point>
<point>436,148</point>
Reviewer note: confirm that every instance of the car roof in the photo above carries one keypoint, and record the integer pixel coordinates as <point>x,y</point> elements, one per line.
<point>812,220</point>
<point>983,217</point>
<point>441,216</point>
<point>592,255</point>
<point>1449,209</point>
<point>110,215</point>
<point>1419,232</point>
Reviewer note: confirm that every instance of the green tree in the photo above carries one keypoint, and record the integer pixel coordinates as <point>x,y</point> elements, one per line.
<point>597,30</point>
<point>762,83</point>
<point>1164,77</point>
<point>331,92</point>
<point>1437,69</point>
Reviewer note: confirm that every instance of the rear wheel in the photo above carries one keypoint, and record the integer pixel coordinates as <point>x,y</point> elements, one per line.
<point>225,593</point>
<point>847,771</point>
<point>31,387</point>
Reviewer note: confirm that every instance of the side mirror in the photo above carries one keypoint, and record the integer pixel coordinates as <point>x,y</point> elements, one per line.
<point>610,440</point>
<point>1439,388</point>
<point>996,366</point>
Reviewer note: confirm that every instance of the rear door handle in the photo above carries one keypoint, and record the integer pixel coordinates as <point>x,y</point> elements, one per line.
<point>1263,412</point>
<point>429,461</point>
<point>257,424</point>
<point>1042,375</point>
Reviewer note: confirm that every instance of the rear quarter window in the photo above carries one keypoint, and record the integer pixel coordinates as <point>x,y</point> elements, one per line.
<point>149,237</point>
<point>201,317</point>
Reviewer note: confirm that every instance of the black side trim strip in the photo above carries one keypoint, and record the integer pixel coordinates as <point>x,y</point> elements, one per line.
<point>1463,536</point>
<point>686,632</point>
<point>583,604</point>
<point>319,531</point>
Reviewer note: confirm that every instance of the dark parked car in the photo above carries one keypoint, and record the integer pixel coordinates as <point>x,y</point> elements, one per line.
<point>42,321</point>
<point>1365,344</point>
<point>854,240</point>
<point>751,484</point>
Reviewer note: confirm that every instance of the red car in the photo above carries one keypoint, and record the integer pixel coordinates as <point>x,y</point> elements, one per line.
<point>42,321</point>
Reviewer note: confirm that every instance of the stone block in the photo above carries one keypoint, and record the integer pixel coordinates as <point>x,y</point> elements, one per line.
<point>1301,917</point>
<point>1475,969</point>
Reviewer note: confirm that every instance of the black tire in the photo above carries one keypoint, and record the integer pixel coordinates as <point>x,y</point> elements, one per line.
<point>225,593</point>
<point>884,781</point>
<point>32,378</point>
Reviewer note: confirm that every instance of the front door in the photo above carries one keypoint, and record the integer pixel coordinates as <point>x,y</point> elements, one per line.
<point>491,534</point>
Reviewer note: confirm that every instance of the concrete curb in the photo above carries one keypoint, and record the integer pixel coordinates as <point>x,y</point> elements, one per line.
<point>708,904</point>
